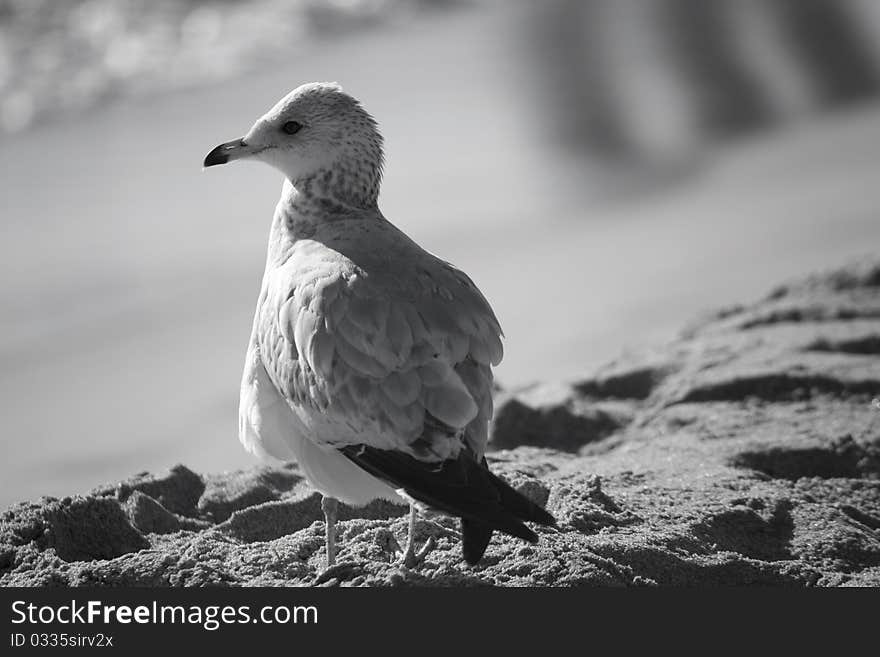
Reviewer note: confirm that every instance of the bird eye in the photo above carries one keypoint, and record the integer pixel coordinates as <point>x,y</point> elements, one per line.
<point>292,127</point>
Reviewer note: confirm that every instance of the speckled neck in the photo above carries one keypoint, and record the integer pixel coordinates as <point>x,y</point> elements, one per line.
<point>324,198</point>
<point>348,185</point>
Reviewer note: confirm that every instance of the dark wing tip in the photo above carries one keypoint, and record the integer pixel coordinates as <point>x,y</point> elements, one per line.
<point>475,539</point>
<point>461,487</point>
<point>520,505</point>
<point>543,517</point>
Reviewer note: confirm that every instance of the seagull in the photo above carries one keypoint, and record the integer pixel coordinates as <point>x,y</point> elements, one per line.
<point>370,359</point>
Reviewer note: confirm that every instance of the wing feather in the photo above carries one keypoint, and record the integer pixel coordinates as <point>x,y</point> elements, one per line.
<point>358,360</point>
<point>402,388</point>
<point>373,343</point>
<point>398,333</point>
<point>305,328</point>
<point>451,403</point>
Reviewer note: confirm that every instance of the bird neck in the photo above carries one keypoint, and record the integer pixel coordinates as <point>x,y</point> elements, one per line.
<point>315,201</point>
<point>346,186</point>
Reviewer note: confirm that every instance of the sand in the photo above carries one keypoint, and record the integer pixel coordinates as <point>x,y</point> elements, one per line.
<point>745,451</point>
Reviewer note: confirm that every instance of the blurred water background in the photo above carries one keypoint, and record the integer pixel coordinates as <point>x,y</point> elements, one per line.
<point>604,169</point>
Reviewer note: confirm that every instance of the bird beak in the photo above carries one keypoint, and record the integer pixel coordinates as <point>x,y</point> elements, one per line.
<point>231,150</point>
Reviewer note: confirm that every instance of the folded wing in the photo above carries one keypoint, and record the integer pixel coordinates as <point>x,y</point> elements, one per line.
<point>379,350</point>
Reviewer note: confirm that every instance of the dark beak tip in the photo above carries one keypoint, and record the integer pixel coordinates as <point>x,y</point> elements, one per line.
<point>215,157</point>
<point>220,155</point>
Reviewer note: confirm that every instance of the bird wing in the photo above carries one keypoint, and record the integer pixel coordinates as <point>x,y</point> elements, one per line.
<point>390,345</point>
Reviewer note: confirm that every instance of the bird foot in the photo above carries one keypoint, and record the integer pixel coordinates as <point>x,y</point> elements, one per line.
<point>339,571</point>
<point>412,559</point>
<point>446,531</point>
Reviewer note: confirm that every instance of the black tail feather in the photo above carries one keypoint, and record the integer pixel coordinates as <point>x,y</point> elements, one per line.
<point>460,487</point>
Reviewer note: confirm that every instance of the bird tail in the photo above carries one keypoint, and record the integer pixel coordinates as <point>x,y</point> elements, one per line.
<point>462,487</point>
<point>517,508</point>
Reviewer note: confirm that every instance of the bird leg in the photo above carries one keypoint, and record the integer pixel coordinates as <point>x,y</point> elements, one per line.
<point>411,558</point>
<point>330,507</point>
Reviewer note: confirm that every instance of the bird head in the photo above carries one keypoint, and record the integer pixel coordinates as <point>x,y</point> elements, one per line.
<point>315,129</point>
